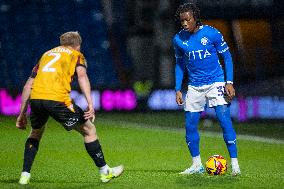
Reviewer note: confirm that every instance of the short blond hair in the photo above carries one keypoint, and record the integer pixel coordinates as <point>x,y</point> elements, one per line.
<point>71,38</point>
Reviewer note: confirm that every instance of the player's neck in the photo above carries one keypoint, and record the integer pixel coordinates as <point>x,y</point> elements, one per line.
<point>196,29</point>
<point>72,48</point>
<point>69,47</point>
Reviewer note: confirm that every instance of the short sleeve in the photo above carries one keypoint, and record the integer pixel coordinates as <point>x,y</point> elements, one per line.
<point>81,61</point>
<point>34,71</point>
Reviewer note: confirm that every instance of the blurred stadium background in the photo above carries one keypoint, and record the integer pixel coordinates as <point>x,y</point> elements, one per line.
<point>127,44</point>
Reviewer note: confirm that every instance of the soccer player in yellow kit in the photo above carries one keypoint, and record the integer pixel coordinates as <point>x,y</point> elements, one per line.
<point>48,90</point>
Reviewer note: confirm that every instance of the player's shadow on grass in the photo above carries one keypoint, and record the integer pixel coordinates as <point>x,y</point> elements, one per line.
<point>203,180</point>
<point>152,170</point>
<point>206,180</point>
<point>172,171</point>
<point>40,184</point>
<point>9,181</point>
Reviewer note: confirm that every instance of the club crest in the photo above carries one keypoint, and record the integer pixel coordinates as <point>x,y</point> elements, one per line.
<point>204,41</point>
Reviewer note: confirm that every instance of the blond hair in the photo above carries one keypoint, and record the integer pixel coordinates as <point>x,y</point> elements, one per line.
<point>71,38</point>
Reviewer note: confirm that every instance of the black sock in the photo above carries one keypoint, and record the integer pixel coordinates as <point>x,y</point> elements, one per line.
<point>95,151</point>
<point>31,148</point>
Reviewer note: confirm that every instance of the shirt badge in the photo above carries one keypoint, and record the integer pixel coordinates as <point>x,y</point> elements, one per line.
<point>204,41</point>
<point>185,43</point>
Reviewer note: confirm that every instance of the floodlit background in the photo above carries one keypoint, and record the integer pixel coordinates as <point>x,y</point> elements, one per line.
<point>127,44</point>
<point>128,47</point>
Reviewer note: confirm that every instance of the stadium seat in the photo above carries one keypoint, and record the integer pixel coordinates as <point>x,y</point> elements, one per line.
<point>35,29</point>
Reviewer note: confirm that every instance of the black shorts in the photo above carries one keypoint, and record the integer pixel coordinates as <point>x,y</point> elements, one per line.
<point>42,109</point>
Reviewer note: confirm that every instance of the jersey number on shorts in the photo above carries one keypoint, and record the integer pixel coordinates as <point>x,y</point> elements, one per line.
<point>47,67</point>
<point>221,90</point>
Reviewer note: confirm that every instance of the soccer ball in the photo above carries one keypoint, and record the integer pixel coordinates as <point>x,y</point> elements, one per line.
<point>216,165</point>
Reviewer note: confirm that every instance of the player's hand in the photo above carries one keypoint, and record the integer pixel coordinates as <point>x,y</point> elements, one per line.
<point>179,98</point>
<point>22,121</point>
<point>230,91</point>
<point>93,118</point>
<point>90,114</point>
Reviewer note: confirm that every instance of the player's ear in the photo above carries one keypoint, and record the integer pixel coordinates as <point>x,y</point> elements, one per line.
<point>77,48</point>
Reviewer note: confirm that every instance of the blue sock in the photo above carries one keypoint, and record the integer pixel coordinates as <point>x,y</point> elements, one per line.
<point>229,134</point>
<point>192,136</point>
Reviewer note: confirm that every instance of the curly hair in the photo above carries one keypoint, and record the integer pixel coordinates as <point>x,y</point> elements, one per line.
<point>189,7</point>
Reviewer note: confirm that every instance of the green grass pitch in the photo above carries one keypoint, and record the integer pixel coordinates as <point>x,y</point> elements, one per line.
<point>153,155</point>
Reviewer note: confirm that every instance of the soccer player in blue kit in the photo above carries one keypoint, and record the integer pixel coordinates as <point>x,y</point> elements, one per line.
<point>196,50</point>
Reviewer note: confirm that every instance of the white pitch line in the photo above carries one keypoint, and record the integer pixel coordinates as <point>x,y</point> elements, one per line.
<point>206,133</point>
<point>245,137</point>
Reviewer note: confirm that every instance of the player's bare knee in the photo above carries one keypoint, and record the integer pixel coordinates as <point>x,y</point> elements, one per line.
<point>91,131</point>
<point>87,130</point>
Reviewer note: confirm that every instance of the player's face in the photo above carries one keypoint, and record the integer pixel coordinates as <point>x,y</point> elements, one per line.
<point>187,21</point>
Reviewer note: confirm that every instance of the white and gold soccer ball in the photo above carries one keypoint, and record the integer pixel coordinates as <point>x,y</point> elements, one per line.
<point>216,165</point>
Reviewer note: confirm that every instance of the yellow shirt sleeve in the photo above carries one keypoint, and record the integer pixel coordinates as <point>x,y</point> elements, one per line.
<point>81,61</point>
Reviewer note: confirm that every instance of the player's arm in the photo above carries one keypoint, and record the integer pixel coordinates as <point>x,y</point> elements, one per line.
<point>224,51</point>
<point>22,118</point>
<point>229,88</point>
<point>179,73</point>
<point>84,84</point>
<point>21,122</point>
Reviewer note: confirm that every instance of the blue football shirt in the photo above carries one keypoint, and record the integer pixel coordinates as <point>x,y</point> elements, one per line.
<point>197,53</point>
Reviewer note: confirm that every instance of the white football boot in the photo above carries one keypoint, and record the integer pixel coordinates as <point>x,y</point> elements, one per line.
<point>25,178</point>
<point>236,170</point>
<point>194,169</point>
<point>235,167</point>
<point>112,173</point>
